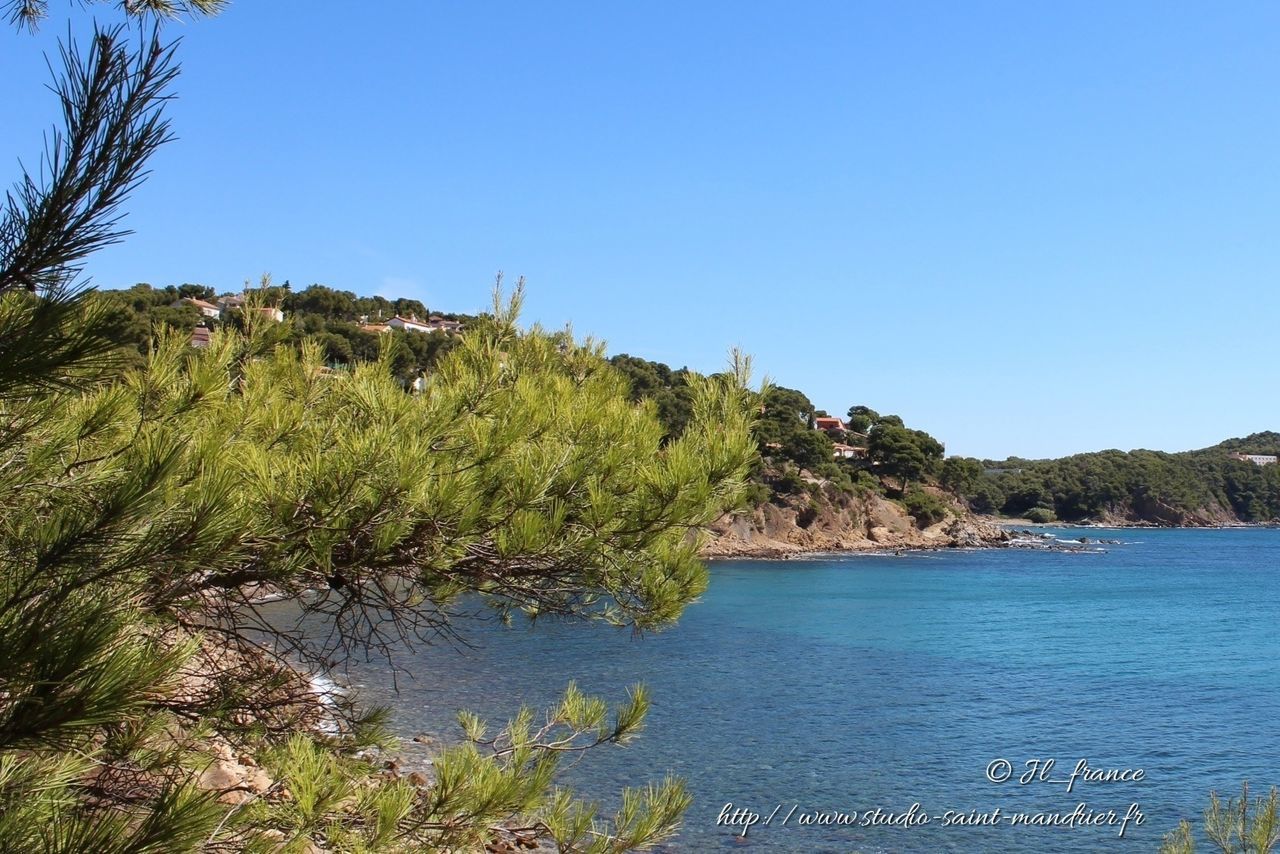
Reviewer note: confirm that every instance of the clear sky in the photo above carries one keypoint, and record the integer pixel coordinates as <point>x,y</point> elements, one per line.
<point>1032,229</point>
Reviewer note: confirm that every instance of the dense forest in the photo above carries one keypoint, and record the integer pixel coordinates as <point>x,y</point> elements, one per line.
<point>1202,487</point>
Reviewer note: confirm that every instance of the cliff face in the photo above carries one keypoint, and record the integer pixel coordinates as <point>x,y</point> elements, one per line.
<point>793,525</point>
<point>1153,513</point>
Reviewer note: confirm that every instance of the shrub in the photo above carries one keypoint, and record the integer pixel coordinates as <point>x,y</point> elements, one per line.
<point>927,508</point>
<point>1041,515</point>
<point>789,483</point>
<point>868,482</point>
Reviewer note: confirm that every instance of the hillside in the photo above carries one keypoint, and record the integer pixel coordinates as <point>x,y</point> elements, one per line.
<point>1205,487</point>
<point>347,327</point>
<point>824,482</point>
<point>827,483</point>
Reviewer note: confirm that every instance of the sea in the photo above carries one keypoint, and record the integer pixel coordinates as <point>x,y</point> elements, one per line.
<point>960,700</point>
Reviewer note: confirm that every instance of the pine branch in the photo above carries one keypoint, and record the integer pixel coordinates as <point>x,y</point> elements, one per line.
<point>50,344</point>
<point>27,14</point>
<point>112,105</point>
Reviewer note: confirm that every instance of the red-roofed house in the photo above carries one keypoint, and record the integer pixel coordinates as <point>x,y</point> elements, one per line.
<point>829,423</point>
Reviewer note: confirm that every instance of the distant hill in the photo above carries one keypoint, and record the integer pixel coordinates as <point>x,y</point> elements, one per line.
<point>1266,442</point>
<point>1202,487</point>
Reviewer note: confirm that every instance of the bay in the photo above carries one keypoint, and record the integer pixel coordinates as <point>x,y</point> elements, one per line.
<point>846,684</point>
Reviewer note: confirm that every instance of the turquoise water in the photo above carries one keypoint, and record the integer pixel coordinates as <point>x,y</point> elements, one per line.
<point>847,684</point>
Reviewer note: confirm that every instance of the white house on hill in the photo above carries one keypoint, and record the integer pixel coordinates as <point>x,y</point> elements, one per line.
<point>1256,459</point>
<point>409,324</point>
<point>433,324</point>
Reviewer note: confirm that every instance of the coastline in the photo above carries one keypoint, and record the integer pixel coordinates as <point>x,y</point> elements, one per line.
<point>880,527</point>
<point>734,539</point>
<point>772,533</point>
<point>1133,525</point>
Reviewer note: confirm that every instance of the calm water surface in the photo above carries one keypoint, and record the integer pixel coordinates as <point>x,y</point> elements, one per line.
<point>848,684</point>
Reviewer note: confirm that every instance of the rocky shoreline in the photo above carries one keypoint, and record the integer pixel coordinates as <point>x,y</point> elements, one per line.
<point>799,526</point>
<point>804,526</point>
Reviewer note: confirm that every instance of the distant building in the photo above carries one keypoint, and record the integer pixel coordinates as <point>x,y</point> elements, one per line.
<point>208,309</point>
<point>848,452</point>
<point>375,328</point>
<point>827,423</point>
<point>272,312</point>
<point>1256,459</point>
<point>200,337</point>
<point>409,324</point>
<point>432,324</point>
<point>439,324</point>
<point>230,301</point>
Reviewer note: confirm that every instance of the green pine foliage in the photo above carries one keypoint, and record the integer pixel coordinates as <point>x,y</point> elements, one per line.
<point>1240,826</point>
<point>30,13</point>
<point>668,389</point>
<point>148,509</point>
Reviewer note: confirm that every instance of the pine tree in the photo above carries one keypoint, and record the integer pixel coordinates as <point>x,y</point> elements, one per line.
<point>149,508</point>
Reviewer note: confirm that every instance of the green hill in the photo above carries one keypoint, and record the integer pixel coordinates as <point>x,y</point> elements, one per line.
<point>1201,487</point>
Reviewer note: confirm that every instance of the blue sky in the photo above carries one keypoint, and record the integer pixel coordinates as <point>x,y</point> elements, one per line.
<point>1031,229</point>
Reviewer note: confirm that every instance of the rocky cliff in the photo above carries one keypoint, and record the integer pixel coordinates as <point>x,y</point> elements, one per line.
<point>798,524</point>
<point>1152,513</point>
